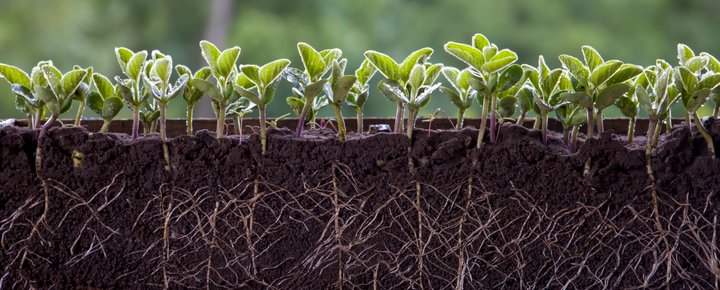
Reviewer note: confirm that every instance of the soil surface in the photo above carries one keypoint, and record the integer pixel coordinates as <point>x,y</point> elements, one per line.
<point>375,212</point>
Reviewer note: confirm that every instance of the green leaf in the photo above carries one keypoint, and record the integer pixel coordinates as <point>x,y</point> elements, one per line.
<point>644,100</point>
<point>162,69</point>
<point>135,65</point>
<point>575,67</point>
<point>252,72</point>
<point>688,79</point>
<point>95,101</point>
<point>713,63</point>
<point>312,90</point>
<point>661,83</point>
<point>416,57</point>
<point>604,71</point>
<point>123,56</point>
<point>417,76</point>
<point>592,57</point>
<point>53,77</point>
<point>466,53</point>
<point>453,96</point>
<point>610,95</point>
<point>422,99</point>
<point>365,72</point>
<point>210,53</point>
<point>203,73</point>
<point>226,61</point>
<point>72,80</point>
<point>111,108</point>
<point>431,73</point>
<point>625,73</point>
<point>384,64</point>
<point>684,53</point>
<point>709,81</point>
<point>489,51</point>
<point>551,82</point>
<point>271,71</point>
<point>479,85</point>
<point>451,75</point>
<point>104,86</point>
<point>208,88</point>
<point>509,77</point>
<point>579,98</point>
<point>45,95</point>
<point>14,75</point>
<point>178,88</point>
<point>25,93</point>
<point>479,41</point>
<point>312,60</point>
<point>341,87</point>
<point>252,97</point>
<point>391,90</point>
<point>506,106</point>
<point>183,70</point>
<point>627,107</point>
<point>697,100</point>
<point>502,59</point>
<point>525,98</point>
<point>296,104</point>
<point>697,63</point>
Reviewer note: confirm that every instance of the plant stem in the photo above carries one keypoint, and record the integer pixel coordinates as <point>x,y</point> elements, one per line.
<point>161,121</point>
<point>573,138</point>
<point>30,121</point>
<point>716,111</point>
<point>590,122</point>
<point>189,121</point>
<point>545,127</point>
<point>359,118</point>
<point>483,122</point>
<point>220,126</point>
<point>240,130</point>
<point>687,119</point>
<point>493,119</point>
<point>340,123</point>
<point>41,138</point>
<point>38,118</point>
<point>303,115</point>
<point>650,136</point>
<point>538,122</point>
<point>79,115</point>
<point>399,118</point>
<point>105,126</point>
<point>136,122</point>
<point>263,129</point>
<point>705,134</point>
<point>631,130</point>
<point>599,121</point>
<point>236,124</point>
<point>412,115</point>
<point>460,119</point>
<point>566,136</point>
<point>521,119</point>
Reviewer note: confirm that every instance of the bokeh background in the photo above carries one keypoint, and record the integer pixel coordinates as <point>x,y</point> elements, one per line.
<point>85,32</point>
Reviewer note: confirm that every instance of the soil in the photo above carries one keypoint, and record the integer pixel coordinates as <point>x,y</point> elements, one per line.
<point>378,211</point>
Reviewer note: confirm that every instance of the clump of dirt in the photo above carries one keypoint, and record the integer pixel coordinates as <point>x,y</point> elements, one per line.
<point>378,210</point>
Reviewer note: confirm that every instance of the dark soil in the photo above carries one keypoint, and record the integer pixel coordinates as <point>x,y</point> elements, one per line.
<point>376,212</point>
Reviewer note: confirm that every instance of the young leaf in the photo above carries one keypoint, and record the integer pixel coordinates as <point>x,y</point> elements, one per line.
<point>592,57</point>
<point>417,75</point>
<point>312,60</point>
<point>94,101</point>
<point>431,73</point>
<point>502,59</point>
<point>53,77</point>
<point>604,71</point>
<point>713,63</point>
<point>416,57</point>
<point>135,65</point>
<point>226,61</point>
<point>252,72</point>
<point>479,41</point>
<point>104,86</point>
<point>506,106</point>
<point>111,108</point>
<point>684,53</point>
<point>271,71</point>
<point>208,88</point>
<point>697,63</point>
<point>575,67</point>
<point>580,98</point>
<point>697,100</point>
<point>709,81</point>
<point>509,77</point>
<point>627,106</point>
<point>610,95</point>
<point>14,75</point>
<point>466,53</point>
<point>386,65</point>
<point>626,72</point>
<point>72,80</point>
<point>687,78</point>
<point>391,90</point>
<point>342,86</point>
<point>644,100</point>
<point>162,69</point>
<point>210,53</point>
<point>365,72</point>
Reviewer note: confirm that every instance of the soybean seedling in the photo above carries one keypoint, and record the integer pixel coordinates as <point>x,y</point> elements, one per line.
<point>223,69</point>
<point>396,77</point>
<point>82,92</point>
<point>337,89</point>
<point>132,65</point>
<point>264,79</point>
<point>489,75</point>
<point>360,91</point>
<point>597,84</point>
<point>571,117</point>
<point>163,91</point>
<point>237,111</point>
<point>714,67</point>
<point>655,92</point>
<point>695,87</point>
<point>308,84</point>
<point>105,102</point>
<point>297,103</point>
<point>191,95</point>
<point>23,87</point>
<point>416,92</point>
<point>545,90</point>
<point>461,94</point>
<point>629,104</point>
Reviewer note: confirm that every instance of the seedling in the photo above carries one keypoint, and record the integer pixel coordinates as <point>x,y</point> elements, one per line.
<point>308,84</point>
<point>26,99</point>
<point>264,78</point>
<point>695,87</point>
<point>223,69</point>
<point>337,89</point>
<point>629,104</point>
<point>297,103</point>
<point>655,92</point>
<point>545,89</point>
<point>191,94</point>
<point>489,75</point>
<point>133,93</point>
<point>82,92</point>
<point>105,102</point>
<point>714,67</point>
<point>597,84</point>
<point>237,111</point>
<point>360,91</point>
<point>461,94</point>
<point>163,91</point>
<point>416,92</point>
<point>571,117</point>
<point>397,76</point>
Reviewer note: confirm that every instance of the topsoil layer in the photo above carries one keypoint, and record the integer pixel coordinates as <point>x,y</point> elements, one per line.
<point>376,212</point>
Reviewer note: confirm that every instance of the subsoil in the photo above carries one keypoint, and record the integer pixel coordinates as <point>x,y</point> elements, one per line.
<point>378,211</point>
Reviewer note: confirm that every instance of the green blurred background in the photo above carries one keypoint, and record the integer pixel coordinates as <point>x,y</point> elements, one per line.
<point>85,32</point>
